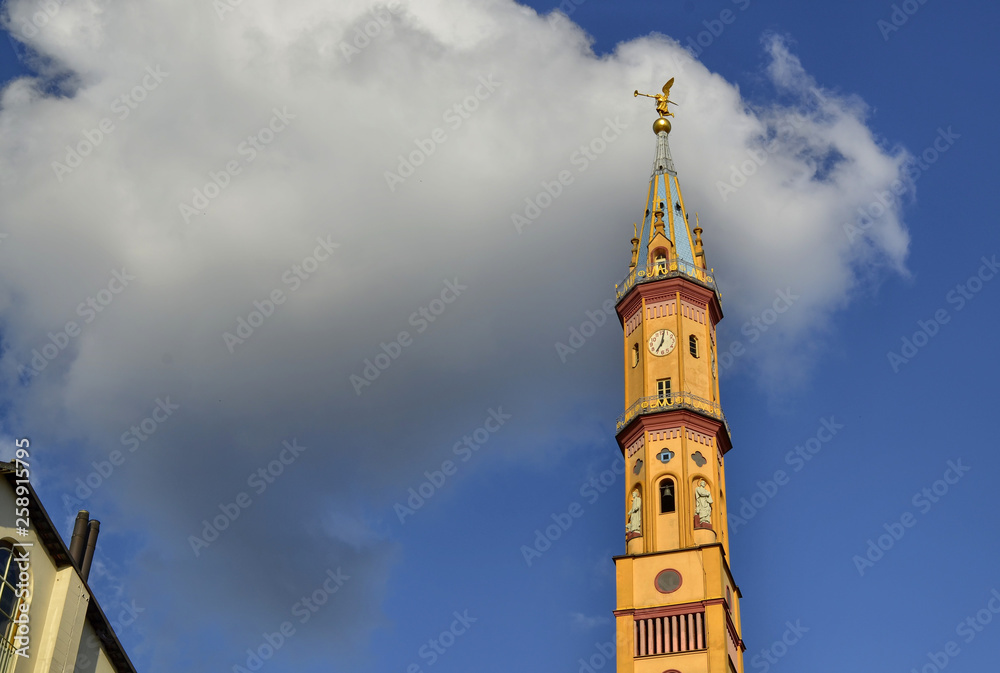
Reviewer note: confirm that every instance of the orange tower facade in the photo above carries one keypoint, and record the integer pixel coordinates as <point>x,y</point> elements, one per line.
<point>678,604</point>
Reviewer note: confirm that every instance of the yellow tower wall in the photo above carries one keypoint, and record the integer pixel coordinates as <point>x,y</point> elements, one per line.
<point>677,604</point>
<point>687,430</point>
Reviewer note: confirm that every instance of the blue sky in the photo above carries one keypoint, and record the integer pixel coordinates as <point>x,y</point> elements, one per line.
<point>895,99</point>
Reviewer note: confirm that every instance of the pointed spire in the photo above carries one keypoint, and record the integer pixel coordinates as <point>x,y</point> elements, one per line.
<point>665,212</point>
<point>665,235</point>
<point>658,221</point>
<point>635,247</point>
<point>664,163</point>
<point>699,250</point>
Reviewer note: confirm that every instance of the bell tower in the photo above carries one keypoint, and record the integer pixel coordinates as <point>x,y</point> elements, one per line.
<point>678,604</point>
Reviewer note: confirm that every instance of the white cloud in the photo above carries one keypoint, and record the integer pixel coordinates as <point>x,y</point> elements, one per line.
<point>323,175</point>
<point>7,448</point>
<point>583,622</point>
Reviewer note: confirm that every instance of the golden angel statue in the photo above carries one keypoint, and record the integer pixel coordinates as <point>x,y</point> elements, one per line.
<point>661,99</point>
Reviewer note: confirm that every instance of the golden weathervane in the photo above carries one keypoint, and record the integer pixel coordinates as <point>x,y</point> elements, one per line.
<point>661,99</point>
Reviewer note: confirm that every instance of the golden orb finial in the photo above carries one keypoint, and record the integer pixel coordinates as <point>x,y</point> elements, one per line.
<point>662,124</point>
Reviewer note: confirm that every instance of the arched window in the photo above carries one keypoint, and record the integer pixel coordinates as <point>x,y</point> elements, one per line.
<point>635,354</point>
<point>693,345</point>
<point>9,571</point>
<point>667,500</point>
<point>660,260</point>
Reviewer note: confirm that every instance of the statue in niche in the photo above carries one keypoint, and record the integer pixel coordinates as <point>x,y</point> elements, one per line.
<point>702,506</point>
<point>633,526</point>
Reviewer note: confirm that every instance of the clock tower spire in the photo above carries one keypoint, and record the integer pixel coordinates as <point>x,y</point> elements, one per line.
<point>678,605</point>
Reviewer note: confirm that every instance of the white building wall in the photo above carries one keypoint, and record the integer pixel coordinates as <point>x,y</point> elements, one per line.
<point>58,600</point>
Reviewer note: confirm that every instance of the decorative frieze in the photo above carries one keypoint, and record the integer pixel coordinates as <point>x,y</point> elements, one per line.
<point>661,309</point>
<point>700,438</point>
<point>696,313</point>
<point>635,446</point>
<point>633,321</point>
<point>660,435</point>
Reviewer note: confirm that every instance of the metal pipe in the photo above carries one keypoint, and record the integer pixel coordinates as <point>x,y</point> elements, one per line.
<point>94,527</point>
<point>79,539</point>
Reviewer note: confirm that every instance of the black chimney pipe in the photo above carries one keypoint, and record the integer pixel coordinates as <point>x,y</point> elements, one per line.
<point>94,527</point>
<point>79,539</point>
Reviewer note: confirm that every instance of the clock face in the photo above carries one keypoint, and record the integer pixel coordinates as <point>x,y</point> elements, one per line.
<point>662,342</point>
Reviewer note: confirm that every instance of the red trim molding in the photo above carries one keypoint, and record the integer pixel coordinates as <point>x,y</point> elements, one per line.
<point>674,418</point>
<point>733,634</point>
<point>626,308</point>
<point>664,611</point>
<point>668,289</point>
<point>682,609</point>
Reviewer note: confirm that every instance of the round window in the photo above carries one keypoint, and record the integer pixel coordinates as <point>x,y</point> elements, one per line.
<point>668,581</point>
